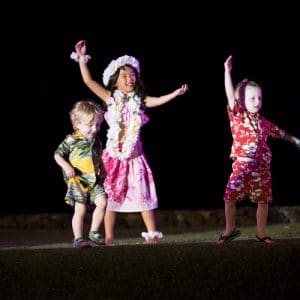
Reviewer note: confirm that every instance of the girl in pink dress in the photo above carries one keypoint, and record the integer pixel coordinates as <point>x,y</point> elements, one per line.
<point>129,182</point>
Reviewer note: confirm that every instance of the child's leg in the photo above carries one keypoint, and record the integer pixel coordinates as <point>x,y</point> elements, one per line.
<point>263,208</point>
<point>230,232</point>
<point>261,220</point>
<point>98,214</point>
<point>78,219</point>
<point>109,224</point>
<point>230,215</point>
<point>149,220</point>
<point>152,236</point>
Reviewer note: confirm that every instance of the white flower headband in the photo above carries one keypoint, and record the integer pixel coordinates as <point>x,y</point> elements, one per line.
<point>116,64</point>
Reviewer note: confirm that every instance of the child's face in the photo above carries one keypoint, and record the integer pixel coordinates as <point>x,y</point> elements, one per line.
<point>253,98</point>
<point>126,80</point>
<point>89,128</point>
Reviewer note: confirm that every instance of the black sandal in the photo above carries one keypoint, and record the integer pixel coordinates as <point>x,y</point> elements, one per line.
<point>266,239</point>
<point>228,238</point>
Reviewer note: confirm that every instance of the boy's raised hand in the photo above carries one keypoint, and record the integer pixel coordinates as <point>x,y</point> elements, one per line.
<point>228,63</point>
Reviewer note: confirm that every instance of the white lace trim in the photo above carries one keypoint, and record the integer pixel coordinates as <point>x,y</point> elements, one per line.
<point>152,234</point>
<point>80,58</point>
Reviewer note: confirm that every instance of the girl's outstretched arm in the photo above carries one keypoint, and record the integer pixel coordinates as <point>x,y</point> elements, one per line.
<point>93,85</point>
<point>157,101</point>
<point>229,90</point>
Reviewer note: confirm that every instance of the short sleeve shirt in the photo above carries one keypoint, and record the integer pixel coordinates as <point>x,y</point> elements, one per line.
<point>84,156</point>
<point>250,133</point>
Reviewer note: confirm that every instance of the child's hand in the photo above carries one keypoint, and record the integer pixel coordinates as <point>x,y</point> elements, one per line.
<point>102,171</point>
<point>228,64</point>
<point>80,47</point>
<point>297,143</point>
<point>69,171</point>
<point>182,90</point>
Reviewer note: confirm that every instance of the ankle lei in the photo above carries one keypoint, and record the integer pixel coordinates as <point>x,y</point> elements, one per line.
<point>133,129</point>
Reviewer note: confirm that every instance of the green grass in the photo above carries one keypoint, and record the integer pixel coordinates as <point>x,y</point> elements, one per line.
<point>187,264</point>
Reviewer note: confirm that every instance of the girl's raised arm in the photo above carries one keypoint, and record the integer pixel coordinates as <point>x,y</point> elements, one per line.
<point>93,85</point>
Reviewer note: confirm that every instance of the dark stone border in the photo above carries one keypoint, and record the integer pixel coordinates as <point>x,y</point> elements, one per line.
<point>165,218</point>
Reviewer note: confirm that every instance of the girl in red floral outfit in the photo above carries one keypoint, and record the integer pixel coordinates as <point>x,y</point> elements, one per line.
<point>251,155</point>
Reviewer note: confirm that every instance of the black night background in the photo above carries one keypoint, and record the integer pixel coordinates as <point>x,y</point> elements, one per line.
<point>187,141</point>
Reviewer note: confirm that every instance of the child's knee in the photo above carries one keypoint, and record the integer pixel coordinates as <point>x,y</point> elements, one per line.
<point>230,204</point>
<point>101,201</point>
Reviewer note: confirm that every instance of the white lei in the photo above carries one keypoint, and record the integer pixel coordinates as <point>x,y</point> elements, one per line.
<point>133,129</point>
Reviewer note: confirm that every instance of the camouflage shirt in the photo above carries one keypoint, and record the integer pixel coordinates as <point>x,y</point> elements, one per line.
<point>85,157</point>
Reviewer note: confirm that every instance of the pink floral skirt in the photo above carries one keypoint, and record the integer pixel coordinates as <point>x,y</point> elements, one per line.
<point>129,184</point>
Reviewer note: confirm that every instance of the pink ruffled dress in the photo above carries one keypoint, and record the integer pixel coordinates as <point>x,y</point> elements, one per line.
<point>129,183</point>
